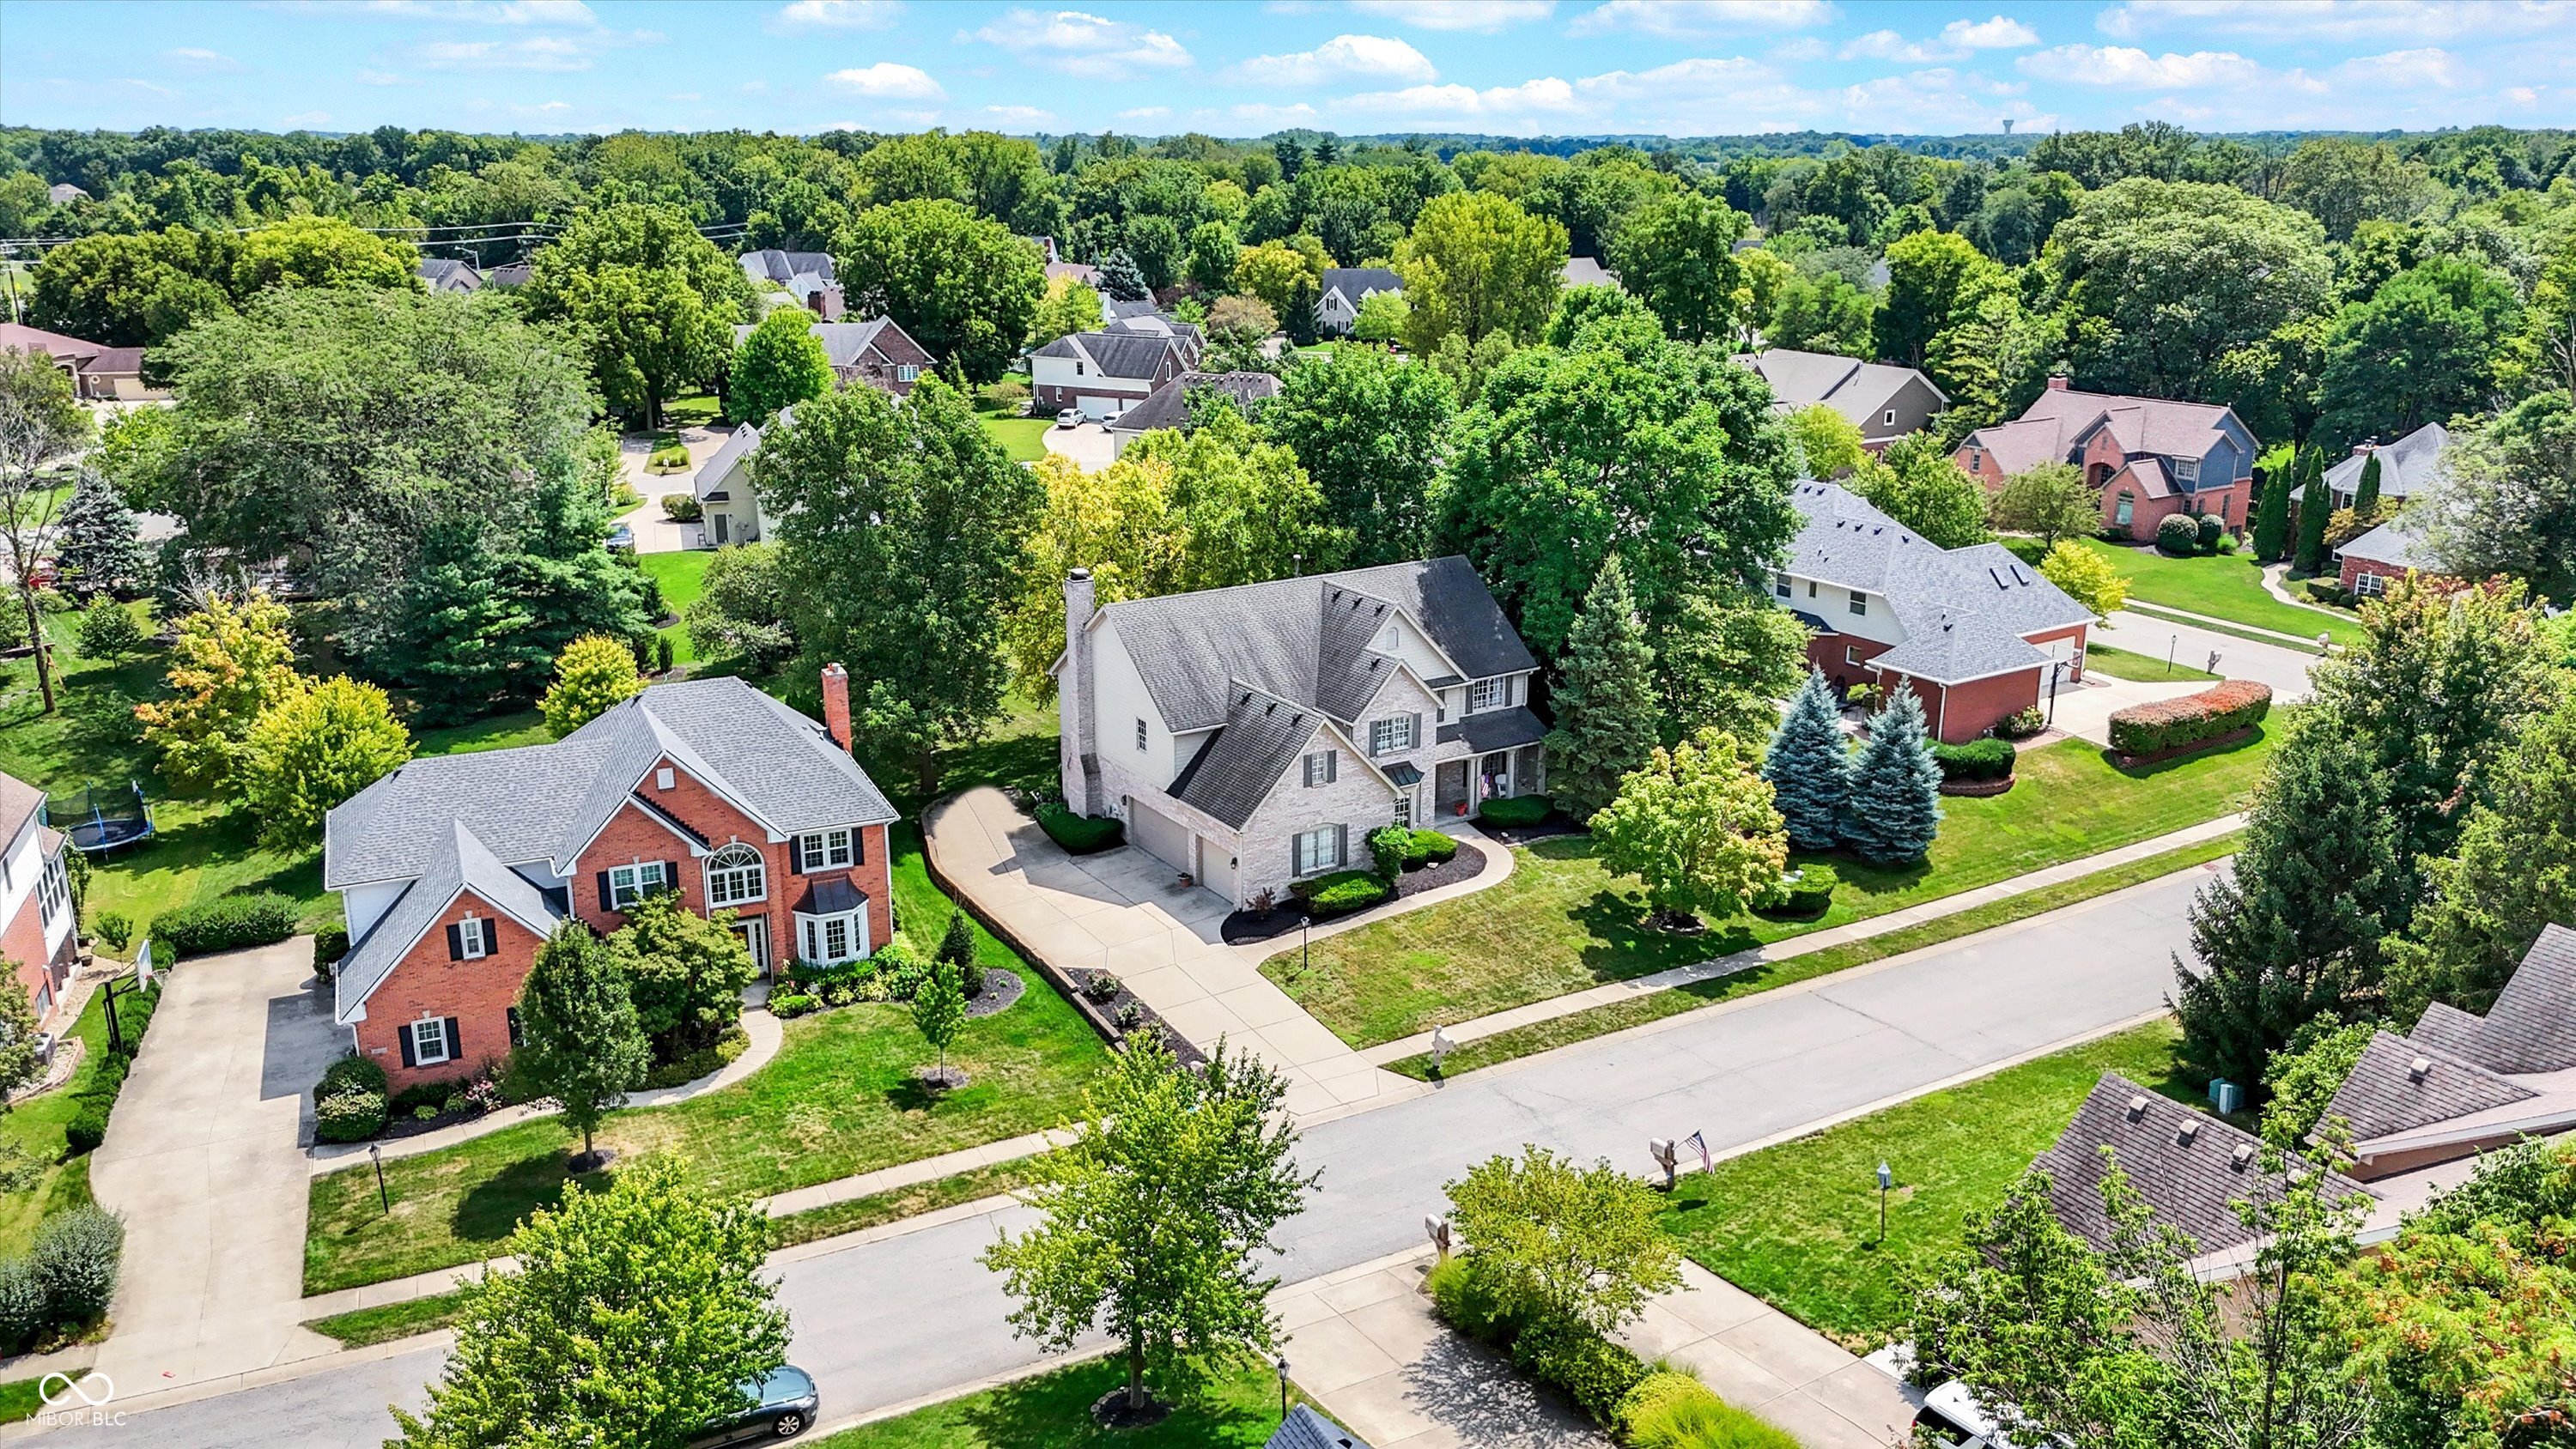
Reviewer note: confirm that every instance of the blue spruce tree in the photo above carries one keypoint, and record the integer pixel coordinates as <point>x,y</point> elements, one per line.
<point>1895,787</point>
<point>1809,768</point>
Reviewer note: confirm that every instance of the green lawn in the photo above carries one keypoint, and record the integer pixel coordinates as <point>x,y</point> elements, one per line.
<point>1560,922</point>
<point>839,1100</point>
<point>37,1127</point>
<point>2121,664</point>
<point>1024,439</point>
<point>2225,586</point>
<point>682,576</point>
<point>1053,1411</point>
<point>1797,1224</point>
<point>696,410</point>
<point>21,1399</point>
<point>387,1322</point>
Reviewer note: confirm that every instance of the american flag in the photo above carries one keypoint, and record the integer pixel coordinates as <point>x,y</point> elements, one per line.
<point>1699,1144</point>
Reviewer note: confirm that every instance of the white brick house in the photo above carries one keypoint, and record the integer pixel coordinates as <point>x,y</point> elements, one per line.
<point>1252,736</point>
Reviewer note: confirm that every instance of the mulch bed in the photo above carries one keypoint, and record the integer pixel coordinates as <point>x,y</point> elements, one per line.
<point>1245,928</point>
<point>1001,990</point>
<point>401,1127</point>
<point>1104,1015</point>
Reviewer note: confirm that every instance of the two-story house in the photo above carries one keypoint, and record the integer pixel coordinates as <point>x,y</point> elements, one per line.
<point>1977,633</point>
<point>875,352</point>
<point>36,926</point>
<point>1884,401</point>
<point>805,278</point>
<point>1253,736</point>
<point>1343,289</point>
<point>2150,458</point>
<point>1104,373</point>
<point>452,871</point>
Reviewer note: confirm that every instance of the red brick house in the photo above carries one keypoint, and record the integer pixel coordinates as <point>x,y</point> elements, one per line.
<point>1976,633</point>
<point>35,897</point>
<point>2151,458</point>
<point>452,871</point>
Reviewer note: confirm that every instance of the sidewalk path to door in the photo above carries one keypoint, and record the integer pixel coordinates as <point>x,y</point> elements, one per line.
<point>201,1157</point>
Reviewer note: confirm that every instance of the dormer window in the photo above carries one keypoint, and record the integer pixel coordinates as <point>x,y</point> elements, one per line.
<point>1890,419</point>
<point>1485,694</point>
<point>2186,471</point>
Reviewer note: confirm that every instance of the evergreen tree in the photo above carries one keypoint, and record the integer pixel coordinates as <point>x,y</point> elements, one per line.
<point>100,551</point>
<point>1895,805</point>
<point>2272,515</point>
<point>2365,494</point>
<point>1809,768</point>
<point>1605,708</point>
<point>957,949</point>
<point>1122,279</point>
<point>2314,509</point>
<point>2292,935</point>
<point>580,1040</point>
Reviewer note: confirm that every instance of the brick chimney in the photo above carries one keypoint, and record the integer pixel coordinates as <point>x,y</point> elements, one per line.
<point>2059,382</point>
<point>1077,749</point>
<point>2365,447</point>
<point>836,704</point>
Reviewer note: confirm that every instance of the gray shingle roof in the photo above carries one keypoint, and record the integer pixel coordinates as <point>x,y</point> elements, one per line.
<point>773,265</point>
<point>1356,282</point>
<point>2402,542</point>
<point>1495,729</point>
<point>2532,1026</point>
<point>1168,406</point>
<point>457,861</point>
<point>1234,771</point>
<point>2445,1027</point>
<point>1115,354</point>
<point>1964,611</point>
<point>845,344</point>
<point>1306,1429</point>
<point>2385,1094</point>
<point>2191,1184</point>
<point>2407,466</point>
<point>1858,390</point>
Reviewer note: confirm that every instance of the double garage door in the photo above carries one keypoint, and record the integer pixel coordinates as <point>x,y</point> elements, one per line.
<point>1170,842</point>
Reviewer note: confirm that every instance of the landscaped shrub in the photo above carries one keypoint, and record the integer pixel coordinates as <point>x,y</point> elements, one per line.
<point>1810,894</point>
<point>1386,850</point>
<point>672,458</point>
<point>2022,724</point>
<point>1467,1302</point>
<point>1079,834</point>
<point>433,1094</point>
<point>791,1006</point>
<point>329,945</point>
<point>1512,811</point>
<point>1975,760</point>
<point>350,1074</point>
<point>1428,847</point>
<point>2178,535</point>
<point>1102,986</point>
<point>1676,1411</point>
<point>22,1305</point>
<point>2227,545</point>
<point>1342,891</point>
<point>75,1257</point>
<point>348,1117</point>
<point>682,507</point>
<point>88,1127</point>
<point>115,928</point>
<point>2172,724</point>
<point>2212,528</point>
<point>2329,591</point>
<point>1591,1370</point>
<point>226,923</point>
<point>702,1062</point>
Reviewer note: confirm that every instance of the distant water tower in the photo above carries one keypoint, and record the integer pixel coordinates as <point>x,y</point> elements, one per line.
<point>2008,125</point>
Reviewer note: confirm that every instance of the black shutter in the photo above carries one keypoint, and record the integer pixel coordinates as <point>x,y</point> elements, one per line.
<point>1417,729</point>
<point>796,854</point>
<point>670,875</point>
<point>1341,846</point>
<point>455,1046</point>
<point>607,902</point>
<point>517,1036</point>
<point>491,937</point>
<point>858,845</point>
<point>1332,766</point>
<point>455,943</point>
<point>403,1034</point>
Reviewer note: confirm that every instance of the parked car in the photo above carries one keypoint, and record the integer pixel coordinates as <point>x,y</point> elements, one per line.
<point>1068,417</point>
<point>621,539</point>
<point>1953,1418</point>
<point>783,1406</point>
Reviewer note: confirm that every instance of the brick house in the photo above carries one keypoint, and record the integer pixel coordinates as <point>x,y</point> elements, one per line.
<point>1253,736</point>
<point>2150,458</point>
<point>452,871</point>
<point>1975,631</point>
<point>2403,545</point>
<point>1104,373</point>
<point>36,926</point>
<point>874,352</point>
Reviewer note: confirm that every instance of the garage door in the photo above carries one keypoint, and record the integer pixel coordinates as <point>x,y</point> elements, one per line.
<point>2060,651</point>
<point>1158,835</point>
<point>1220,871</point>
<point>1100,407</point>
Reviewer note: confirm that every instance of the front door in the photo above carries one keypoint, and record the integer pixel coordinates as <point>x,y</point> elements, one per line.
<point>754,931</point>
<point>722,522</point>
<point>1494,774</point>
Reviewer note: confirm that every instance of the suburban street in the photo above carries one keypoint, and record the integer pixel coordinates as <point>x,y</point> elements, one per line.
<point>898,1318</point>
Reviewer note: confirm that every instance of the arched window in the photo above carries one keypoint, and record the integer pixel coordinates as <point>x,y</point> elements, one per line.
<point>736,876</point>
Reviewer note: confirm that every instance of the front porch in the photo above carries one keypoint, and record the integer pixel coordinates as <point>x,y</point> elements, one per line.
<point>1461,786</point>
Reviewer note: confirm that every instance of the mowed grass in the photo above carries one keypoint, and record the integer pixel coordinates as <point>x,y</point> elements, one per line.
<point>2226,586</point>
<point>36,1126</point>
<point>683,577</point>
<point>1023,439</point>
<point>1797,1224</point>
<point>1053,1411</point>
<point>1560,922</point>
<point>2121,664</point>
<point>839,1100</point>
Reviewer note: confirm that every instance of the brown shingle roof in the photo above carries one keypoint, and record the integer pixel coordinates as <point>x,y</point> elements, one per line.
<point>2388,1091</point>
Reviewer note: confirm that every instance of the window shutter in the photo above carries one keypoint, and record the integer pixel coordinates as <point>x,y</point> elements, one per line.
<point>1296,866</point>
<point>858,845</point>
<point>796,854</point>
<point>411,1058</point>
<point>491,935</point>
<point>455,942</point>
<point>455,1046</point>
<point>1341,846</point>
<point>518,1036</point>
<point>670,875</point>
<point>1417,729</point>
<point>607,902</point>
<point>1332,766</point>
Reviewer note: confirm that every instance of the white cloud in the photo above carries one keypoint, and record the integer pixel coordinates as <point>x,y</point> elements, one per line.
<point>837,15</point>
<point>1676,18</point>
<point>1020,115</point>
<point>374,77</point>
<point>888,80</point>
<point>189,57</point>
<point>2324,20</point>
<point>2000,33</point>
<point>1888,45</point>
<point>1080,43</point>
<point>1370,57</point>
<point>1486,15</point>
<point>2519,95</point>
<point>535,52</point>
<point>554,106</point>
<point>1145,113</point>
<point>305,119</point>
<point>1276,118</point>
<point>145,85</point>
<point>2124,65</point>
<point>2426,66</point>
<point>1957,41</point>
<point>687,96</point>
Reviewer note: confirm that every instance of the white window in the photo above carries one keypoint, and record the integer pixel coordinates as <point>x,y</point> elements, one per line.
<point>1851,654</point>
<point>736,876</point>
<point>52,892</point>
<point>1404,809</point>
<point>1391,734</point>
<point>2370,586</point>
<point>663,779</point>
<point>1890,419</point>
<point>826,940</point>
<point>1140,736</point>
<point>1780,585</point>
<point>2127,510</point>
<point>1859,602</point>
<point>2186,471</point>
<point>628,884</point>
<point>1319,850</point>
<point>429,1045</point>
<point>1322,768</point>
<point>473,939</point>
<point>1487,694</point>
<point>906,372</point>
<point>825,849</point>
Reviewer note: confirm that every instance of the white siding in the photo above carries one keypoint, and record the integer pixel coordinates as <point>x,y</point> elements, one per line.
<point>1832,603</point>
<point>1118,701</point>
<point>362,906</point>
<point>1401,640</point>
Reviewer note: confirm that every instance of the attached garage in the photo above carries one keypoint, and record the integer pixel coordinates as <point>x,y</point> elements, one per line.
<point>1221,873</point>
<point>1159,836</point>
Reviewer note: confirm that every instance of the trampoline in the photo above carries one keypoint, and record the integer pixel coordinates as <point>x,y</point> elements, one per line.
<point>102,817</point>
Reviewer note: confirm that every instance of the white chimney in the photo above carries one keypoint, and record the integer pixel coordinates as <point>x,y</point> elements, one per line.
<point>1077,733</point>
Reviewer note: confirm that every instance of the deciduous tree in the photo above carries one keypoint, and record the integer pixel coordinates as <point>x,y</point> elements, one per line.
<point>1809,767</point>
<point>2423,347</point>
<point>965,288</point>
<point>653,302</point>
<point>741,608</point>
<point>1726,663</point>
<point>1696,826</point>
<point>684,972</point>
<point>1604,699</point>
<point>2051,501</point>
<point>1934,278</point>
<point>1829,442</point>
<point>2508,505</point>
<point>1382,317</point>
<point>778,364</point>
<point>1246,511</point>
<point>580,1042</point>
<point>1287,277</point>
<point>321,251</point>
<point>39,421</point>
<point>313,749</point>
<point>1915,483</point>
<point>593,675</point>
<point>230,665</point>
<point>939,1014</point>
<point>1370,431</point>
<point>1067,307</point>
<point>1563,1244</point>
<point>1477,264</point>
<point>1677,252</point>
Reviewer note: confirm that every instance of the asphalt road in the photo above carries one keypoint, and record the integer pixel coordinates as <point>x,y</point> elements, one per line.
<point>905,1317</point>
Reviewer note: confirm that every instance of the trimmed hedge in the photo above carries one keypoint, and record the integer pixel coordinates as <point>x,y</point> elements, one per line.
<point>1516,810</point>
<point>2329,591</point>
<point>329,945</point>
<point>2178,535</point>
<point>1428,847</point>
<point>1809,895</point>
<point>349,1101</point>
<point>1341,892</point>
<point>1975,760</point>
<point>1080,834</point>
<point>1595,1373</point>
<point>226,923</point>
<point>2173,724</point>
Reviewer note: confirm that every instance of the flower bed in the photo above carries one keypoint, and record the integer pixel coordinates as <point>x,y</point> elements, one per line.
<point>2170,727</point>
<point>1117,1011</point>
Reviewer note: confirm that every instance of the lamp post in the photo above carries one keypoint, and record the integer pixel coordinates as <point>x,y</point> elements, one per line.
<point>1283,1388</point>
<point>1885,1180</point>
<point>376,1155</point>
<point>1304,923</point>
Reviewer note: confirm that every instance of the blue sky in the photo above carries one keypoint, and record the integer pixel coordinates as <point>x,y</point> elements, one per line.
<point>1514,67</point>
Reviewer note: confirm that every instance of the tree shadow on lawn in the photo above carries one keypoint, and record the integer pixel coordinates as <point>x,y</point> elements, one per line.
<point>491,1210</point>
<point>1623,946</point>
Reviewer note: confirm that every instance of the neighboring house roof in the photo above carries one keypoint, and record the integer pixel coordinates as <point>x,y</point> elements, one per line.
<point>713,474</point>
<point>62,193</point>
<point>116,361</point>
<point>35,340</point>
<point>1168,406</point>
<point>1305,640</point>
<point>772,265</point>
<point>846,344</point>
<point>2406,467</point>
<point>2532,1026</point>
<point>1115,356</point>
<point>445,274</point>
<point>1586,272</point>
<point>1117,311</point>
<point>19,803</point>
<point>2399,1085</point>
<point>2459,1077</point>
<point>1306,1429</point>
<point>1860,391</point>
<point>1965,612</point>
<point>2403,542</point>
<point>2058,421</point>
<point>513,275</point>
<point>1357,282</point>
<point>2191,1168</point>
<point>1083,272</point>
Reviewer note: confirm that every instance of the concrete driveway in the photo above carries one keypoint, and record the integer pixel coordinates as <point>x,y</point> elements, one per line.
<point>202,1159</point>
<point>2084,710</point>
<point>1087,444</point>
<point>655,533</point>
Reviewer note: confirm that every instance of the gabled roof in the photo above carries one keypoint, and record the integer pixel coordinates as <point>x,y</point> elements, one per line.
<point>1858,390</point>
<point>1306,1429</point>
<point>1168,406</point>
<point>713,473</point>
<point>773,265</point>
<point>2190,1167</point>
<point>456,861</point>
<point>1114,354</point>
<point>2407,466</point>
<point>440,271</point>
<point>2403,542</point>
<point>36,340</point>
<point>2532,1026</point>
<point>1357,282</point>
<point>2061,418</point>
<point>846,343</point>
<point>20,802</point>
<point>1235,769</point>
<point>2389,1091</point>
<point>1965,611</point>
<point>1305,640</point>
<point>1586,272</point>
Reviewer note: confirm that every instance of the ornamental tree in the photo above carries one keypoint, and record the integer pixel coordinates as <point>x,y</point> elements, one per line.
<point>1604,699</point>
<point>957,952</point>
<point>684,972</point>
<point>580,1040</point>
<point>1068,306</point>
<point>1808,765</point>
<point>108,629</point>
<point>231,664</point>
<point>778,364</point>
<point>593,675</point>
<point>312,750</point>
<point>2051,501</point>
<point>650,1270</point>
<point>1382,317</point>
<point>1697,827</point>
<point>1174,1181</point>
<point>939,1014</point>
<point>1561,1244</point>
<point>1829,442</point>
<point>1895,786</point>
<point>2087,577</point>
